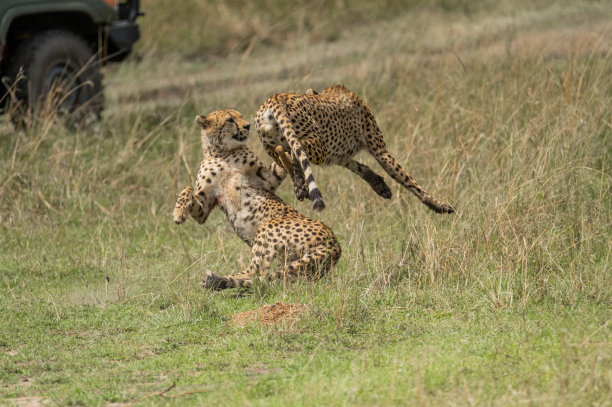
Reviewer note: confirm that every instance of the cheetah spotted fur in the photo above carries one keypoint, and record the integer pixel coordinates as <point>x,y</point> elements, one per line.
<point>232,177</point>
<point>326,128</point>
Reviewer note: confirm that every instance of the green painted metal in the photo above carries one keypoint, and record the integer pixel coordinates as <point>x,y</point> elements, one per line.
<point>97,10</point>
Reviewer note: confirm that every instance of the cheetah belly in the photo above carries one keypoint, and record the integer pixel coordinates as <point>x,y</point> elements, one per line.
<point>238,205</point>
<point>341,144</point>
<point>244,224</point>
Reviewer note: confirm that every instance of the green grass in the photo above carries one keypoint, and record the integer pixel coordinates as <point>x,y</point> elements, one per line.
<point>504,111</point>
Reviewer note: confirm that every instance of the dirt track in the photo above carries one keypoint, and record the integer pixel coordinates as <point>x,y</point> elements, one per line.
<point>358,54</point>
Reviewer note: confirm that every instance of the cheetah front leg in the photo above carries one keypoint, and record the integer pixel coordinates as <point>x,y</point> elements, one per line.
<point>184,205</point>
<point>299,183</point>
<point>293,168</point>
<point>284,159</point>
<point>187,204</point>
<point>377,182</point>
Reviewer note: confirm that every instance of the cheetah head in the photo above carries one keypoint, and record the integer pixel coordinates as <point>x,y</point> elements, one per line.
<point>223,130</point>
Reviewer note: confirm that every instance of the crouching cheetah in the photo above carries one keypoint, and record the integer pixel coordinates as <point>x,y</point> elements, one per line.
<point>330,128</point>
<point>234,178</point>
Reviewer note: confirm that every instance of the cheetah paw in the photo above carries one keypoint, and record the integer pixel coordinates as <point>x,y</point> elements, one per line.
<point>381,188</point>
<point>179,215</point>
<point>301,192</point>
<point>212,281</point>
<point>183,205</point>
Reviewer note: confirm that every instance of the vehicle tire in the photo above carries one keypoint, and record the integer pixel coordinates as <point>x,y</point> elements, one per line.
<point>54,74</point>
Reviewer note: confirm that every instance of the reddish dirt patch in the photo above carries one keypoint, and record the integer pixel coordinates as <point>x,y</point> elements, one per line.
<point>269,314</point>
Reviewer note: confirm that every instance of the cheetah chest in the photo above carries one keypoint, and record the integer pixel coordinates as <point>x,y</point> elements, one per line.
<point>240,204</point>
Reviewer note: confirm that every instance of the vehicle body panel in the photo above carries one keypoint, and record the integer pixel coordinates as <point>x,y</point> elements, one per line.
<point>97,10</point>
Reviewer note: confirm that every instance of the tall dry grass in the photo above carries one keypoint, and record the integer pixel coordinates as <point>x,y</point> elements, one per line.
<point>507,116</point>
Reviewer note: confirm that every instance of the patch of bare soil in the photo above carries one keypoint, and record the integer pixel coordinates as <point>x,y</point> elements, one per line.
<point>269,314</point>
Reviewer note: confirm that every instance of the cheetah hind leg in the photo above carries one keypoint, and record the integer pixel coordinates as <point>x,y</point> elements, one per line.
<point>314,264</point>
<point>377,182</point>
<point>392,167</point>
<point>295,172</point>
<point>262,256</point>
<point>215,282</point>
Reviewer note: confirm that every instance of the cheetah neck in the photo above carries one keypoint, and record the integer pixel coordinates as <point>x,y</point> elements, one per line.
<point>215,151</point>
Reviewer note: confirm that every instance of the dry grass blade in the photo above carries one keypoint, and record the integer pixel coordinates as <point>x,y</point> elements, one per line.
<point>164,394</point>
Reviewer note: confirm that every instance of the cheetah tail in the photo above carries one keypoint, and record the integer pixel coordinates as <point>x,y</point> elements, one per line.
<point>284,123</point>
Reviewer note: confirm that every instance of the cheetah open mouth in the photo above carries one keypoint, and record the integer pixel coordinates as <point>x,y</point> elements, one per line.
<point>239,137</point>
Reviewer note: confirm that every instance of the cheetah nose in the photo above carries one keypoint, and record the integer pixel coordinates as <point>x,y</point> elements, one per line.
<point>247,126</point>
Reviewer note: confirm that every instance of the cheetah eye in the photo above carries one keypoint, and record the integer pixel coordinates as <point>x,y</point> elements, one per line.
<point>231,120</point>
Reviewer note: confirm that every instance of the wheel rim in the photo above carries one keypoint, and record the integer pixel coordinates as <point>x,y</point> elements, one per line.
<point>61,87</point>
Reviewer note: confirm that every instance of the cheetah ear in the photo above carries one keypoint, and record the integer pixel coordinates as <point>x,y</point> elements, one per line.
<point>202,121</point>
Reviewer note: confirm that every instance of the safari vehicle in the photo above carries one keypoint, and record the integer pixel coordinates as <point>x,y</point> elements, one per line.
<point>52,50</point>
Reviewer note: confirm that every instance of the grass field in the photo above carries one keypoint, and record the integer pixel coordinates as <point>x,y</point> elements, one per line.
<point>503,110</point>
